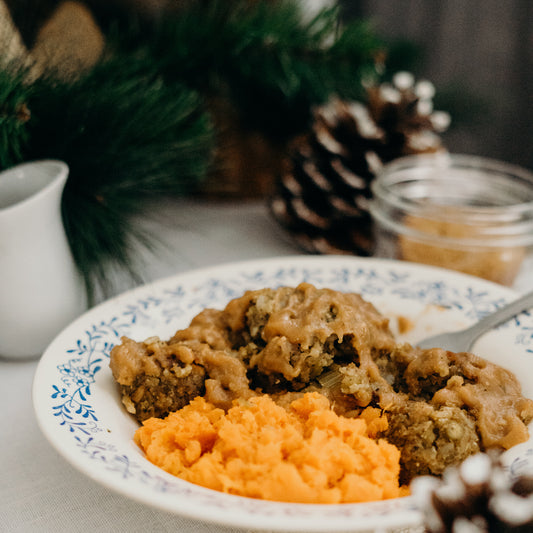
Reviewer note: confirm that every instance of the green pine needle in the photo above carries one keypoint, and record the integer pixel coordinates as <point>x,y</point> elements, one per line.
<point>127,137</point>
<point>14,114</point>
<point>263,56</point>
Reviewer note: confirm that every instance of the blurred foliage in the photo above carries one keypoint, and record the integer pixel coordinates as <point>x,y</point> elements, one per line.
<point>14,114</point>
<point>126,135</point>
<point>272,64</point>
<point>138,124</point>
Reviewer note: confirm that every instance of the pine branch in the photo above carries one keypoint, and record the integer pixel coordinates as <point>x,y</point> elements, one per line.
<point>271,63</point>
<point>136,127</point>
<point>14,114</point>
<point>126,137</point>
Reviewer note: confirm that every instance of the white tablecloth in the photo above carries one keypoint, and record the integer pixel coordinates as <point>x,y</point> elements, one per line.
<point>39,490</point>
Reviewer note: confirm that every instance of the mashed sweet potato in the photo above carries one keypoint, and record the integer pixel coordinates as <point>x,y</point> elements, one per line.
<point>258,449</point>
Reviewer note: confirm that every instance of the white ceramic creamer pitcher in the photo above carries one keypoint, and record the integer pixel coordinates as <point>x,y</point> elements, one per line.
<point>41,290</point>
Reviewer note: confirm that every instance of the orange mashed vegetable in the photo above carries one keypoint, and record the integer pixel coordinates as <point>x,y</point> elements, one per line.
<point>258,449</point>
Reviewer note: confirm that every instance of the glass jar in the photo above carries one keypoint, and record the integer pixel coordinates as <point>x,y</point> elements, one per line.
<point>462,212</point>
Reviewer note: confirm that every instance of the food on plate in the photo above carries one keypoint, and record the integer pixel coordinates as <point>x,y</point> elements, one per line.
<point>441,407</point>
<point>274,341</point>
<point>304,454</point>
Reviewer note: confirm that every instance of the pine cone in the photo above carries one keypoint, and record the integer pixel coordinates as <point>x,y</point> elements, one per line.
<point>322,196</point>
<point>479,496</point>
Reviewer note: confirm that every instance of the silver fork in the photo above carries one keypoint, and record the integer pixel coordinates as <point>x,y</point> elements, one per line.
<point>462,341</point>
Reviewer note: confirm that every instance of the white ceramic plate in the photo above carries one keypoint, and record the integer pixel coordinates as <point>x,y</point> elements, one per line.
<point>79,409</point>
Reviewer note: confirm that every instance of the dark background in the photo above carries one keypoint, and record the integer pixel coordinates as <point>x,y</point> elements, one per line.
<point>479,54</point>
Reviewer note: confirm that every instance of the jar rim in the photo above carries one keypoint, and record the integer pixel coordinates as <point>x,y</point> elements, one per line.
<point>502,225</point>
<point>442,161</point>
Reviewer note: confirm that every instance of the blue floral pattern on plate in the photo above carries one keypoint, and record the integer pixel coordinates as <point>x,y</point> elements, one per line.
<point>77,405</point>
